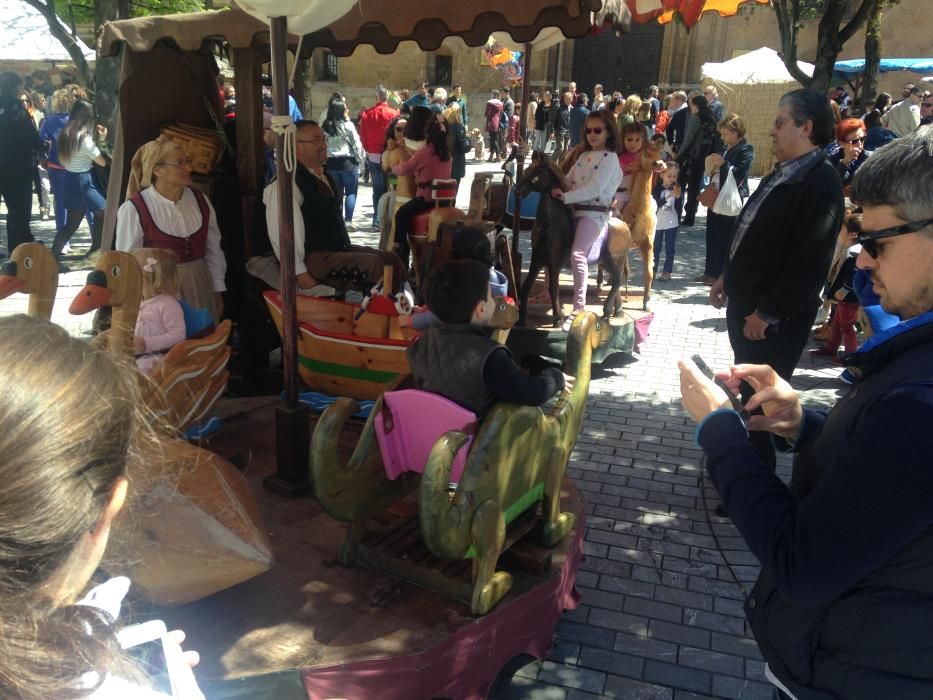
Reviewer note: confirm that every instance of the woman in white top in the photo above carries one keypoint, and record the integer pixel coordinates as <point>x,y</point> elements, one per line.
<point>77,152</point>
<point>593,176</point>
<point>70,425</point>
<point>344,155</point>
<point>163,211</point>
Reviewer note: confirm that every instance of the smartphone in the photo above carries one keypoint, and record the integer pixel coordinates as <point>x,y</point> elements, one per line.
<point>733,399</point>
<point>160,657</point>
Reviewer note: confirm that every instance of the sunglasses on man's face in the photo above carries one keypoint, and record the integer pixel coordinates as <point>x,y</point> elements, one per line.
<point>869,239</point>
<point>594,130</point>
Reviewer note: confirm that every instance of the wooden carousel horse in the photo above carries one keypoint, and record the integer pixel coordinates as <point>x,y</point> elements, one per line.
<point>552,240</point>
<point>191,377</point>
<point>636,228</point>
<point>193,527</point>
<point>32,270</point>
<point>517,459</point>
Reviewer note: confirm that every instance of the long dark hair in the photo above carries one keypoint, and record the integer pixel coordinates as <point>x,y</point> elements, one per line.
<point>336,109</point>
<point>417,126</point>
<point>437,138</point>
<point>703,111</point>
<point>390,130</point>
<point>80,124</point>
<point>613,141</point>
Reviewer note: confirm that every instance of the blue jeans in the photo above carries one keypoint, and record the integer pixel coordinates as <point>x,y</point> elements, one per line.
<point>379,186</point>
<point>347,183</point>
<point>667,237</point>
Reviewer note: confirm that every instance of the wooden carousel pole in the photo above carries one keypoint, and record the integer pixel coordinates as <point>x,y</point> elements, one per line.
<point>520,165</point>
<point>292,419</point>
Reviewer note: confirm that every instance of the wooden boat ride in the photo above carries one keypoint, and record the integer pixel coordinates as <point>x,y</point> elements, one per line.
<point>342,355</point>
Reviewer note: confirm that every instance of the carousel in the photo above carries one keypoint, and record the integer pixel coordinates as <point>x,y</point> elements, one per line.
<point>392,545</point>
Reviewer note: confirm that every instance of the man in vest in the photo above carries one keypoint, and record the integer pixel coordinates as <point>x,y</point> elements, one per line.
<point>843,607</point>
<point>323,252</point>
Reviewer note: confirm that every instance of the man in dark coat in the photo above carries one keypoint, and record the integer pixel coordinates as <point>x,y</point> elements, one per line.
<point>19,143</point>
<point>677,126</point>
<point>782,245</point>
<point>843,607</point>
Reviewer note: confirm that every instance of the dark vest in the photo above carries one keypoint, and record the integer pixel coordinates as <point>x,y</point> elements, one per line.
<point>187,249</point>
<point>322,214</point>
<point>794,640</point>
<point>448,360</point>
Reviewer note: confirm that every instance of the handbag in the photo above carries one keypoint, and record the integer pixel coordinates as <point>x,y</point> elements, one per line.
<point>729,201</point>
<point>709,195</point>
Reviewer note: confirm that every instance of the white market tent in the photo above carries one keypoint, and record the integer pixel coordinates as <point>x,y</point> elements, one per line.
<point>25,37</point>
<point>750,85</point>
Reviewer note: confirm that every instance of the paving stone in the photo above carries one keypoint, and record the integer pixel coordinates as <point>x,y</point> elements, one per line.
<point>712,661</point>
<point>681,634</point>
<point>678,676</point>
<point>572,676</point>
<point>628,689</point>
<point>648,647</point>
<point>653,609</point>
<point>612,662</point>
<point>741,689</point>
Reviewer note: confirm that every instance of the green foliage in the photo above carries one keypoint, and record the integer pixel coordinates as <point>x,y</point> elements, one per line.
<point>84,10</point>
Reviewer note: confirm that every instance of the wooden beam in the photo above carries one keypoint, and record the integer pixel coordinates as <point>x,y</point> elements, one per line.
<point>249,163</point>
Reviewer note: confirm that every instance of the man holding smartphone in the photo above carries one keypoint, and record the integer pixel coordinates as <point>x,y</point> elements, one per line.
<point>782,246</point>
<point>843,607</point>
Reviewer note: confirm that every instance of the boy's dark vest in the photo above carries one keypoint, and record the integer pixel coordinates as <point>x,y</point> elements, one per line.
<point>448,360</point>
<point>788,634</point>
<point>187,249</point>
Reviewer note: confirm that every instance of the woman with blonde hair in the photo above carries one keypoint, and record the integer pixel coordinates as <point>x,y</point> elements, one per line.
<point>160,324</point>
<point>457,141</point>
<point>630,109</point>
<point>162,210</point>
<point>70,425</point>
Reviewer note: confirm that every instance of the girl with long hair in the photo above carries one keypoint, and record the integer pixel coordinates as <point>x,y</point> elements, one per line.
<point>433,162</point>
<point>344,155</point>
<point>593,178</point>
<point>699,142</point>
<point>78,152</point>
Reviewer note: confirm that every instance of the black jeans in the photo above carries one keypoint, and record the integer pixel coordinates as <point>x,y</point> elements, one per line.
<point>16,192</point>
<point>690,180</point>
<point>718,238</point>
<point>781,349</point>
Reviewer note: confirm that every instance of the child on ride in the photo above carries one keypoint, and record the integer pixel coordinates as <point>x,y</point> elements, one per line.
<point>161,321</point>
<point>634,137</point>
<point>593,179</point>
<point>470,243</point>
<point>457,359</point>
<point>433,162</point>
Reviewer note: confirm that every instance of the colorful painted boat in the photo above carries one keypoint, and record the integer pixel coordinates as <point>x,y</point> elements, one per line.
<point>341,355</point>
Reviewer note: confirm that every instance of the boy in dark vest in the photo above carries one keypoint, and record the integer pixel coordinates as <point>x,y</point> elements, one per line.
<point>457,358</point>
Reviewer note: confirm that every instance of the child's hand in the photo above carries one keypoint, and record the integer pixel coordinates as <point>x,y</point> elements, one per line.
<point>558,193</point>
<point>569,381</point>
<point>139,344</point>
<point>677,191</point>
<point>840,295</point>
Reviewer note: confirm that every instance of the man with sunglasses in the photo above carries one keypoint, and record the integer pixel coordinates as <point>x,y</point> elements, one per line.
<point>843,607</point>
<point>782,245</point>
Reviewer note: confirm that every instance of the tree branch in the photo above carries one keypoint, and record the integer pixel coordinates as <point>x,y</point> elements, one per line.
<point>788,27</point>
<point>858,19</point>
<point>71,45</point>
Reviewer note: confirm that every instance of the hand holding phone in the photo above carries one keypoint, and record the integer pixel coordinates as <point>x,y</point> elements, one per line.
<point>160,653</point>
<point>733,399</point>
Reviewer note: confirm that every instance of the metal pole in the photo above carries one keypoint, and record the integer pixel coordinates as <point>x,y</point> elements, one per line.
<point>292,420</point>
<point>520,162</point>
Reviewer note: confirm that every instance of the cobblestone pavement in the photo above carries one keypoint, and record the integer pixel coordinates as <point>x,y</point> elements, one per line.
<point>663,579</point>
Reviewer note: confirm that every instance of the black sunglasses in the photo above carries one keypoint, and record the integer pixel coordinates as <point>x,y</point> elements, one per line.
<point>868,239</point>
<point>594,130</point>
<point>852,142</point>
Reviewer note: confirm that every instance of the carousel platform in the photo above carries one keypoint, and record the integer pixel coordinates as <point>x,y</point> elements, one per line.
<point>621,335</point>
<point>310,628</point>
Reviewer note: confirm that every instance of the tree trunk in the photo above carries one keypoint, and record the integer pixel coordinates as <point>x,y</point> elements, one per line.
<point>872,57</point>
<point>85,75</point>
<point>304,77</point>
<point>106,100</point>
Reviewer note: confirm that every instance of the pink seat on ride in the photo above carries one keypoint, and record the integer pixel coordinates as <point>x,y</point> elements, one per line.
<point>411,422</point>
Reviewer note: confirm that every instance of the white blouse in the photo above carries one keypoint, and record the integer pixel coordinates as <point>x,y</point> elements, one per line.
<point>181,219</point>
<point>593,179</point>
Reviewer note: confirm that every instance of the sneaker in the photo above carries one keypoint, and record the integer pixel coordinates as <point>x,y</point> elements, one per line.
<point>568,322</point>
<point>846,377</point>
<point>665,276</point>
<point>350,227</point>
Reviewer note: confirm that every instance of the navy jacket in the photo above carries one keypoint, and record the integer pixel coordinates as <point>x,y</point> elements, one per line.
<point>740,157</point>
<point>577,118</point>
<point>843,607</point>
<point>676,128</point>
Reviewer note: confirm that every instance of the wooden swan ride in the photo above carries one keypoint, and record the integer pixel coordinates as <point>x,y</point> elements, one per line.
<point>341,355</point>
<point>32,270</point>
<point>517,460</point>
<point>192,526</point>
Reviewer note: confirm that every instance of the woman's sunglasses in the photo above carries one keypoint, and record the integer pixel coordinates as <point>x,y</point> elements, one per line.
<point>852,142</point>
<point>868,239</point>
<point>594,130</point>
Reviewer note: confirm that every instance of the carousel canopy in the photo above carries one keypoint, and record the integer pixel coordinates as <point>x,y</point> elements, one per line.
<point>384,24</point>
<point>25,36</point>
<point>688,10</point>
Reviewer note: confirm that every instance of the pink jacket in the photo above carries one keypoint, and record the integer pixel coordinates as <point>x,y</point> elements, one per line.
<point>425,166</point>
<point>161,322</point>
